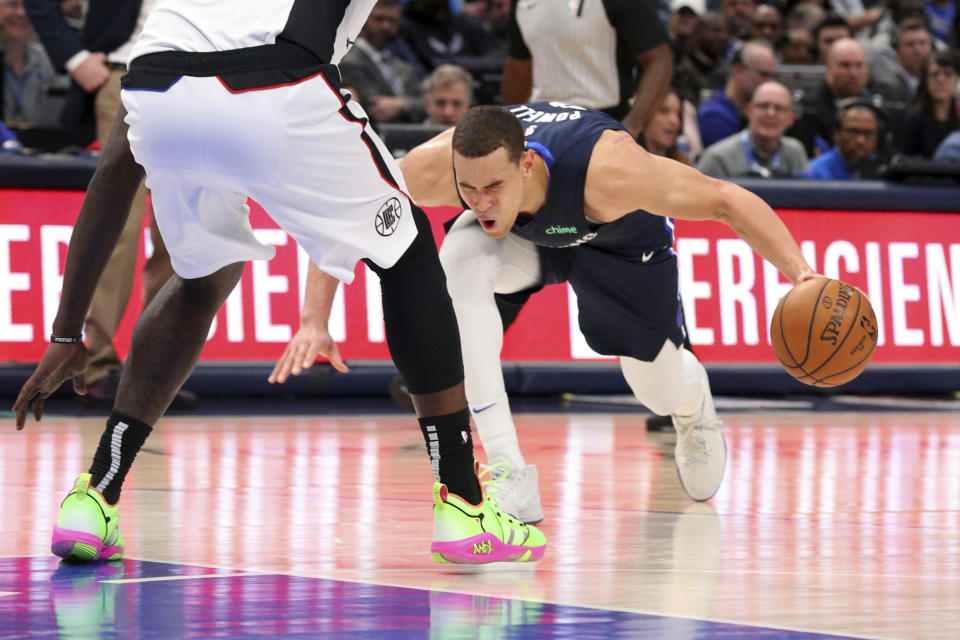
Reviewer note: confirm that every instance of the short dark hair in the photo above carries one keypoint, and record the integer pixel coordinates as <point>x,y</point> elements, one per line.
<point>484,129</point>
<point>831,20</point>
<point>913,23</point>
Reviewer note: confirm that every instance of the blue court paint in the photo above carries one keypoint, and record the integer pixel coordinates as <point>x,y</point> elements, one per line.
<point>57,600</point>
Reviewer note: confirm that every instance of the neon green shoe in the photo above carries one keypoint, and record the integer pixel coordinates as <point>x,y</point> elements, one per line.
<point>86,529</point>
<point>477,534</point>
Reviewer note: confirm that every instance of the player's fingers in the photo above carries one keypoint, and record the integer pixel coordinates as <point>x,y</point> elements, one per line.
<point>282,370</point>
<point>38,407</point>
<point>80,384</point>
<point>336,360</point>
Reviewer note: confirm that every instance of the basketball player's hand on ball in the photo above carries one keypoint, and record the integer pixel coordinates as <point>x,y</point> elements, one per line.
<point>807,275</point>
<point>309,342</point>
<point>61,361</point>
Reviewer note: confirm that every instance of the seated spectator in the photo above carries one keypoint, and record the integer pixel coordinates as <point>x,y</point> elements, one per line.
<point>28,74</point>
<point>724,114</point>
<point>949,149</point>
<point>804,15</point>
<point>912,43</point>
<point>829,30</point>
<point>494,15</point>
<point>683,24</point>
<point>737,14</point>
<point>796,47</point>
<point>934,115</point>
<point>703,64</point>
<point>766,23</point>
<point>846,76</point>
<point>761,149</point>
<point>386,87</point>
<point>855,155</point>
<point>435,35</point>
<point>449,93</point>
<point>662,133</point>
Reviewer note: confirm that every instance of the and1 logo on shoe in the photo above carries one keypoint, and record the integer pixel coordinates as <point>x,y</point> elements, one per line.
<point>484,548</point>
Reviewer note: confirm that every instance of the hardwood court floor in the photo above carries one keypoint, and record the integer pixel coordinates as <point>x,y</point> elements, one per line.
<point>827,523</point>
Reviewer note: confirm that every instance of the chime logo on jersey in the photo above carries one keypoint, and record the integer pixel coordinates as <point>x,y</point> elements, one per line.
<point>529,130</point>
<point>388,218</point>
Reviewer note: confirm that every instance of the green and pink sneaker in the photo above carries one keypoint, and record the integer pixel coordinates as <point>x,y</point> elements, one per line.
<point>477,534</point>
<point>86,528</point>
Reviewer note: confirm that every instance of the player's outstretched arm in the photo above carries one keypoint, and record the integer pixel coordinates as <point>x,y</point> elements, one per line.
<point>623,177</point>
<point>102,216</point>
<point>428,172</point>
<point>312,338</point>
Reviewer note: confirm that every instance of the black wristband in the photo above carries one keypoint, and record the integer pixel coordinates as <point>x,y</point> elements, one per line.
<point>65,339</point>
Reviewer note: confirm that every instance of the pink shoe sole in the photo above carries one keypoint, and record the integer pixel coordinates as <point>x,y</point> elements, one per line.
<point>78,545</point>
<point>484,548</point>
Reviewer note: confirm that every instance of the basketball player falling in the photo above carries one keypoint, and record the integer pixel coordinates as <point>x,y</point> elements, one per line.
<point>558,193</point>
<point>227,99</point>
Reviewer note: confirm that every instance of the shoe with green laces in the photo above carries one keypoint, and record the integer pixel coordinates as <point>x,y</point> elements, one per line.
<point>86,528</point>
<point>477,534</point>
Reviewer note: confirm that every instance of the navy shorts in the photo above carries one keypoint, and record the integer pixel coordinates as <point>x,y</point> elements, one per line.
<point>627,307</point>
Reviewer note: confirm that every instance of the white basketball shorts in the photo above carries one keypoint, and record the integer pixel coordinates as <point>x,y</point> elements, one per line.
<point>299,151</point>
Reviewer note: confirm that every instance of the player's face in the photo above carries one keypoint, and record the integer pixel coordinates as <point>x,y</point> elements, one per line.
<point>492,186</point>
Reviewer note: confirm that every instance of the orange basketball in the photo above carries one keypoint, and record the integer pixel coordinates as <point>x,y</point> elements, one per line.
<point>824,332</point>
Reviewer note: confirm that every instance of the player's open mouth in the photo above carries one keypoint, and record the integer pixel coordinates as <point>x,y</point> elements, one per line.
<point>488,224</point>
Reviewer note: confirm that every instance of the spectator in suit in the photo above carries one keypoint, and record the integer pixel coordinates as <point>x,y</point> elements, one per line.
<point>846,76</point>
<point>386,86</point>
<point>934,114</point>
<point>724,115</point>
<point>449,93</point>
<point>97,59</point>
<point>912,43</point>
<point>27,72</point>
<point>761,149</point>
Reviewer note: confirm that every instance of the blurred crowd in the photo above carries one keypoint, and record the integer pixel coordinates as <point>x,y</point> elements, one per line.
<point>831,89</point>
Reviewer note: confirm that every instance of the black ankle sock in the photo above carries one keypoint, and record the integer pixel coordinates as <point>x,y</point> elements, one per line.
<point>450,447</point>
<point>119,444</point>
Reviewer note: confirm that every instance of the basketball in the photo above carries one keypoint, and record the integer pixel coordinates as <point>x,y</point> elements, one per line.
<point>824,332</point>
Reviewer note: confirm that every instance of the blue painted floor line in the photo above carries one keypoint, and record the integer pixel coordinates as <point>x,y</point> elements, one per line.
<point>61,600</point>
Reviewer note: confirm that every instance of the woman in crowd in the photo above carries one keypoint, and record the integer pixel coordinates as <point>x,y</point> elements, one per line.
<point>934,114</point>
<point>662,134</point>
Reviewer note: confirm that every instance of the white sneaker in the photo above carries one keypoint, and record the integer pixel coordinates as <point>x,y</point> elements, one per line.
<point>701,453</point>
<point>516,492</point>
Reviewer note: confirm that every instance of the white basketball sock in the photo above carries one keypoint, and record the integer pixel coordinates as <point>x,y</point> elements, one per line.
<point>497,432</point>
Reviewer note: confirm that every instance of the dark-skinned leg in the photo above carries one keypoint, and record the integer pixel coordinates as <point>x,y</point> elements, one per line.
<point>421,331</point>
<point>167,341</point>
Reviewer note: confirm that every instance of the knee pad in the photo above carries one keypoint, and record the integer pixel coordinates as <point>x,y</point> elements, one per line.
<point>418,316</point>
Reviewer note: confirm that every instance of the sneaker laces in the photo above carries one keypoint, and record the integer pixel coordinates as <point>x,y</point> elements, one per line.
<point>491,486</point>
<point>695,445</point>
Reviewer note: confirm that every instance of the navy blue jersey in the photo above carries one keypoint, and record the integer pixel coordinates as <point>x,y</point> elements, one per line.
<point>564,136</point>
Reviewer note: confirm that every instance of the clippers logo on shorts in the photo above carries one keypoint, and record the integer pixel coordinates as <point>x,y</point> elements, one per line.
<point>388,218</point>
